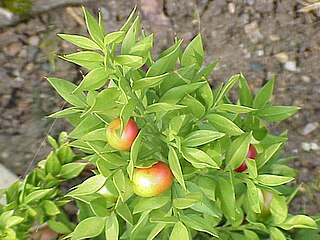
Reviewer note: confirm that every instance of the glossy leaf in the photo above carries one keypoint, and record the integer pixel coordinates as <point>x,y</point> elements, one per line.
<point>175,166</point>
<point>149,82</point>
<point>198,158</point>
<point>253,196</point>
<point>66,89</point>
<point>224,125</point>
<point>276,234</point>
<point>89,186</point>
<point>227,198</point>
<point>93,27</point>
<point>298,221</point>
<point>277,113</point>
<point>71,170</point>
<point>80,41</point>
<point>279,209</point>
<point>244,92</point>
<point>88,228</point>
<point>163,107</point>
<point>273,180</point>
<point>238,150</point>
<point>263,95</point>
<point>37,195</point>
<point>93,80</point>
<point>179,232</point>
<point>193,54</point>
<point>87,59</point>
<point>201,137</point>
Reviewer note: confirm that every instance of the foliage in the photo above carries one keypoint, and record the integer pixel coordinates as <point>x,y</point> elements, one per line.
<point>201,134</point>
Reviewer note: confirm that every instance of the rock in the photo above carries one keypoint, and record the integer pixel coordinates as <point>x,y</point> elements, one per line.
<point>291,66</point>
<point>33,40</point>
<point>306,78</point>
<point>265,6</point>
<point>282,57</point>
<point>250,2</point>
<point>257,66</point>
<point>306,146</point>
<point>7,18</point>
<point>244,18</point>
<point>260,52</point>
<point>309,128</point>
<point>43,5</point>
<point>253,32</point>
<point>232,7</point>
<point>13,49</point>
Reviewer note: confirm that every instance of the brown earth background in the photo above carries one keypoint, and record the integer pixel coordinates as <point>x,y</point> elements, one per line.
<point>260,38</point>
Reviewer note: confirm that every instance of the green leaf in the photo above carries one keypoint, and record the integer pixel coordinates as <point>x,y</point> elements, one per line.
<point>142,47</point>
<point>205,95</point>
<point>37,195</point>
<point>298,221</point>
<point>206,72</point>
<point>175,166</point>
<point>264,95</point>
<point>208,186</point>
<point>252,167</point>
<point>131,36</point>
<point>198,158</point>
<point>149,82</point>
<point>238,150</point>
<point>87,59</point>
<point>124,211</point>
<point>166,62</point>
<point>276,234</point>
<point>96,135</point>
<point>65,89</point>
<point>114,37</point>
<point>59,227</point>
<point>194,106</point>
<point>80,41</point>
<point>135,148</point>
<point>95,79</point>
<point>89,186</point>
<point>71,170</point>
<point>122,185</point>
<point>267,154</point>
<point>130,61</point>
<point>163,107</point>
<point>146,204</point>
<point>279,209</point>
<point>201,137</point>
<point>51,208</point>
<point>224,125</point>
<point>273,180</point>
<point>88,228</point>
<point>99,207</point>
<point>106,99</point>
<point>244,92</point>
<point>188,200</point>
<point>198,223</point>
<point>90,123</point>
<point>14,220</point>
<point>193,53</point>
<point>93,27</point>
<point>251,235</point>
<point>276,113</point>
<point>176,94</point>
<point>156,230</point>
<point>253,196</point>
<point>112,227</point>
<point>53,164</point>
<point>65,113</point>
<point>227,197</point>
<point>226,89</point>
<point>234,108</point>
<point>179,232</point>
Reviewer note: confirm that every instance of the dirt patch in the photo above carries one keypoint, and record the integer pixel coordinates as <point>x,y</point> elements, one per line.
<point>261,39</point>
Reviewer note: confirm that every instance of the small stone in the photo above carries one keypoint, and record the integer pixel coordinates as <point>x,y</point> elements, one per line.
<point>282,57</point>
<point>253,32</point>
<point>7,18</point>
<point>244,18</point>
<point>260,52</point>
<point>306,146</point>
<point>250,2</point>
<point>291,66</point>
<point>13,49</point>
<point>232,7</point>
<point>257,66</point>
<point>306,78</point>
<point>314,146</point>
<point>33,40</point>
<point>309,128</point>
<point>274,37</point>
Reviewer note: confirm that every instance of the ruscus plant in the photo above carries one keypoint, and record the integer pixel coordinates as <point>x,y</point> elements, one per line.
<point>164,150</point>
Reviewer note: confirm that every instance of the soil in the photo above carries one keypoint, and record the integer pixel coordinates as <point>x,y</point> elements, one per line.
<point>261,39</point>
